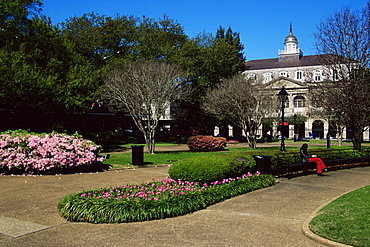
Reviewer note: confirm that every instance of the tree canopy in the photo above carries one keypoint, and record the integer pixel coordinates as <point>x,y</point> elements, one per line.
<point>50,73</point>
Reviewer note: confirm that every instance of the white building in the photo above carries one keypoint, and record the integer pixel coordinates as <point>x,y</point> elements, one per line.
<point>295,72</point>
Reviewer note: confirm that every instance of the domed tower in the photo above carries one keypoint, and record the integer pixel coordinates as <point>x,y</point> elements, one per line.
<point>291,50</point>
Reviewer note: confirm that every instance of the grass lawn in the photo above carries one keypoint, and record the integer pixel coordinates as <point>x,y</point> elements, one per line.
<point>119,160</point>
<point>346,220</point>
<point>124,159</point>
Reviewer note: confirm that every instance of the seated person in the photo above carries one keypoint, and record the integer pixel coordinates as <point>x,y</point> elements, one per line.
<point>307,158</point>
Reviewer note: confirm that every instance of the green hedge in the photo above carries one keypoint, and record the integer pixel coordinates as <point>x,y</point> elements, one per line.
<point>209,168</point>
<point>109,210</point>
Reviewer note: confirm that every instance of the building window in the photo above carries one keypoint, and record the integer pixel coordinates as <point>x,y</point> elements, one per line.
<point>284,73</point>
<point>335,75</point>
<point>317,75</point>
<point>299,75</point>
<point>267,77</point>
<point>299,102</point>
<point>251,76</point>
<point>286,104</point>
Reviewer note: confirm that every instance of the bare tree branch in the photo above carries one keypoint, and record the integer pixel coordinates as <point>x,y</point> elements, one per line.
<point>146,89</point>
<point>241,103</point>
<point>344,41</point>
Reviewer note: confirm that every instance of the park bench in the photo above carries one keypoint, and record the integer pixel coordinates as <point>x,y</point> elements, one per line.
<point>289,162</point>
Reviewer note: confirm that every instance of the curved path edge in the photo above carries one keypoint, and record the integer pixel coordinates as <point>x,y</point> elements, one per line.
<point>307,231</point>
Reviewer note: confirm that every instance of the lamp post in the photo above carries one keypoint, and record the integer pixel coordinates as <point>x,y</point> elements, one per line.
<point>283,96</point>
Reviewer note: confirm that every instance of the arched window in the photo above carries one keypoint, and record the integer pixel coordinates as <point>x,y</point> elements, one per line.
<point>267,77</point>
<point>299,101</point>
<point>251,76</point>
<point>317,75</point>
<point>284,73</point>
<point>299,75</point>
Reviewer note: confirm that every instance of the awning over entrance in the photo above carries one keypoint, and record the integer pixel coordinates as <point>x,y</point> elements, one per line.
<point>285,124</point>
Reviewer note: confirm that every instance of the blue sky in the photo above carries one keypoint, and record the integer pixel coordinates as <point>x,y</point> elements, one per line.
<point>263,25</point>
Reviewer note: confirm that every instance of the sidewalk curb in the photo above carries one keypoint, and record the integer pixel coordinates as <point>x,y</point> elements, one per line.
<point>306,227</point>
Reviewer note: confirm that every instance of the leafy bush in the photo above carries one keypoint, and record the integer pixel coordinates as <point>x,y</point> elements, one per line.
<point>155,199</point>
<point>206,143</point>
<point>213,167</point>
<point>23,152</point>
<point>102,137</point>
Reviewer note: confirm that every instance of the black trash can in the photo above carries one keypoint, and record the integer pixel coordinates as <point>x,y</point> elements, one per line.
<point>137,155</point>
<point>263,164</point>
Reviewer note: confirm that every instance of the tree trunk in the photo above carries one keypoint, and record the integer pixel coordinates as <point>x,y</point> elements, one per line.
<point>251,139</point>
<point>356,140</point>
<point>149,140</point>
<point>340,136</point>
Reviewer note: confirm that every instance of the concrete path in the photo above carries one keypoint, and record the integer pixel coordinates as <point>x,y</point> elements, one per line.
<point>275,216</point>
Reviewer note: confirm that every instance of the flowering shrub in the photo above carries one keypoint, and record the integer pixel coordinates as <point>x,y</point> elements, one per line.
<point>233,141</point>
<point>32,153</point>
<point>206,143</point>
<point>155,199</point>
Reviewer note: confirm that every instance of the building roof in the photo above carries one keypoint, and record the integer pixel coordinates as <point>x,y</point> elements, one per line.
<point>275,63</point>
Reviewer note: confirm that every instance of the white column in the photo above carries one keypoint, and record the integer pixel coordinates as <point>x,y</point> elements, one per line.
<point>259,131</point>
<point>230,130</point>
<point>326,128</point>
<point>291,131</point>
<point>216,131</point>
<point>345,133</point>
<point>308,128</point>
<point>366,135</point>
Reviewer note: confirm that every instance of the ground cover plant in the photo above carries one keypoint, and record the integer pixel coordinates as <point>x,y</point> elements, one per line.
<point>346,219</point>
<point>156,199</point>
<point>47,153</point>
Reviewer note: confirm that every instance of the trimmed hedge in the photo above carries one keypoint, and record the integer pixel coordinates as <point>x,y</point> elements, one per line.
<point>206,143</point>
<point>209,168</point>
<point>105,209</point>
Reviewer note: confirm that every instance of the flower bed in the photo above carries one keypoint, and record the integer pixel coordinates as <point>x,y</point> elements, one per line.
<point>153,200</point>
<point>23,152</point>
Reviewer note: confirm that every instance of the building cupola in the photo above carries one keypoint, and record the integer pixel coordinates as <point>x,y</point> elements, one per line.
<point>291,38</point>
<point>291,50</point>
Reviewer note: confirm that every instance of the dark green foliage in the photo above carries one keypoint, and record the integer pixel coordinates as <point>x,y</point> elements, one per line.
<point>209,168</point>
<point>14,19</point>
<point>53,72</point>
<point>77,208</point>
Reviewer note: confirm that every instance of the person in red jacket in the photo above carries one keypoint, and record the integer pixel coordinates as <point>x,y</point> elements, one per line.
<point>307,158</point>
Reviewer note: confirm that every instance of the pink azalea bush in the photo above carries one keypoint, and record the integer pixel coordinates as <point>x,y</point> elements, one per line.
<point>33,153</point>
<point>206,143</point>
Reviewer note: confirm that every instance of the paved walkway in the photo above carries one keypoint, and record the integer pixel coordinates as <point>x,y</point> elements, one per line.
<point>275,216</point>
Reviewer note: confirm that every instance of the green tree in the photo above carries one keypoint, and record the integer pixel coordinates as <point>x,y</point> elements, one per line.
<point>15,18</point>
<point>98,37</point>
<point>214,58</point>
<point>41,82</point>
<point>160,40</point>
